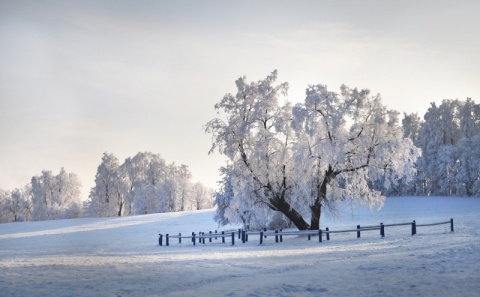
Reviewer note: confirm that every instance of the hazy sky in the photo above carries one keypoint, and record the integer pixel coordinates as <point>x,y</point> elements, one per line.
<point>79,78</point>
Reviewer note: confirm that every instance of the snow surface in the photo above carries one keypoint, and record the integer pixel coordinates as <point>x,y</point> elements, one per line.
<point>121,256</point>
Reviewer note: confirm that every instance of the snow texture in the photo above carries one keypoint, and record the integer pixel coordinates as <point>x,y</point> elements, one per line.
<point>121,256</point>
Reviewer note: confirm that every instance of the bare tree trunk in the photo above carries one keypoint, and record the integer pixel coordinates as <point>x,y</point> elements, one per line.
<point>120,208</point>
<point>290,212</point>
<point>316,208</point>
<point>316,211</point>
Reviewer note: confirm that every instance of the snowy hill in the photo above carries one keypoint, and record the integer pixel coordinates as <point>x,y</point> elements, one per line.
<point>121,256</point>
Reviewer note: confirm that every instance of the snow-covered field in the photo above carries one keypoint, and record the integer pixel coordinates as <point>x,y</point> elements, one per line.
<point>121,256</point>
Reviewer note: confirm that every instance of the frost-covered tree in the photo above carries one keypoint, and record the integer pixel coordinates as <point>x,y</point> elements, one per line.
<point>43,192</point>
<point>346,141</point>
<point>201,196</point>
<point>256,137</point>
<point>445,138</point>
<point>411,126</point>
<point>68,202</point>
<point>55,196</point>
<point>14,206</point>
<point>469,118</point>
<point>223,197</point>
<point>177,188</point>
<point>4,197</point>
<point>329,149</point>
<point>108,196</point>
<point>142,184</point>
<point>17,206</point>
<point>146,176</point>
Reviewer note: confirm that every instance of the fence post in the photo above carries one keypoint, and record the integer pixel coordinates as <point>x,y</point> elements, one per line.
<point>265,230</point>
<point>203,237</point>
<point>179,237</point>
<point>223,236</point>
<point>308,233</point>
<point>414,228</point>
<point>239,232</point>
<point>243,236</point>
<point>451,225</point>
<point>200,237</point>
<point>281,237</point>
<point>382,230</point>
<point>210,239</point>
<point>358,232</point>
<point>320,235</point>
<point>276,236</point>
<point>215,234</point>
<point>261,237</point>
<point>193,238</point>
<point>233,238</point>
<point>166,239</point>
<point>160,239</point>
<point>328,233</point>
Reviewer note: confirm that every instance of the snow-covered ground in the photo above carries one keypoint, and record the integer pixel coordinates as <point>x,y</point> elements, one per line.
<point>121,256</point>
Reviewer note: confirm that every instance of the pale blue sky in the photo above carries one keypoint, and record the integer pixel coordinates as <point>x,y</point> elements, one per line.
<point>78,78</point>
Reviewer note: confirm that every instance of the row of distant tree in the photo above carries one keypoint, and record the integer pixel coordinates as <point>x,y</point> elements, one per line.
<point>449,137</point>
<point>142,184</point>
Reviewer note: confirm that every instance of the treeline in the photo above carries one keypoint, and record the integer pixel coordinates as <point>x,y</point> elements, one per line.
<point>46,197</point>
<point>142,184</point>
<point>449,137</point>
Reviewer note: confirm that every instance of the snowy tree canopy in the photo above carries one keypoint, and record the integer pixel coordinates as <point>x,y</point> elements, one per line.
<point>294,160</point>
<point>144,184</point>
<point>448,138</point>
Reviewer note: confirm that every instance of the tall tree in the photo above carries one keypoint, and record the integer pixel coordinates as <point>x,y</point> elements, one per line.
<point>257,138</point>
<point>347,141</point>
<point>107,197</point>
<point>334,146</point>
<point>43,196</point>
<point>55,196</point>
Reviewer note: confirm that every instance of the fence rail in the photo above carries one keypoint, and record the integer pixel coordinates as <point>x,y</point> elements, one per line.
<point>278,234</point>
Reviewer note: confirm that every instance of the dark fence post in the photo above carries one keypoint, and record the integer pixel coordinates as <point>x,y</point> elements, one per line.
<point>215,234</point>
<point>265,230</point>
<point>261,237</point>
<point>239,232</point>
<point>451,225</point>
<point>382,230</point>
<point>320,235</point>
<point>233,238</point>
<point>160,239</point>
<point>358,232</point>
<point>276,236</point>
<point>203,237</point>
<point>414,228</point>
<point>179,237</point>
<point>166,239</point>
<point>210,239</point>
<point>243,236</point>
<point>328,233</point>
<point>200,237</point>
<point>223,236</point>
<point>281,237</point>
<point>308,234</point>
<point>193,238</point>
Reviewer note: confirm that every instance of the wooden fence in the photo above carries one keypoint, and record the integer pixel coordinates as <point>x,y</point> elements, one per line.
<point>278,234</point>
